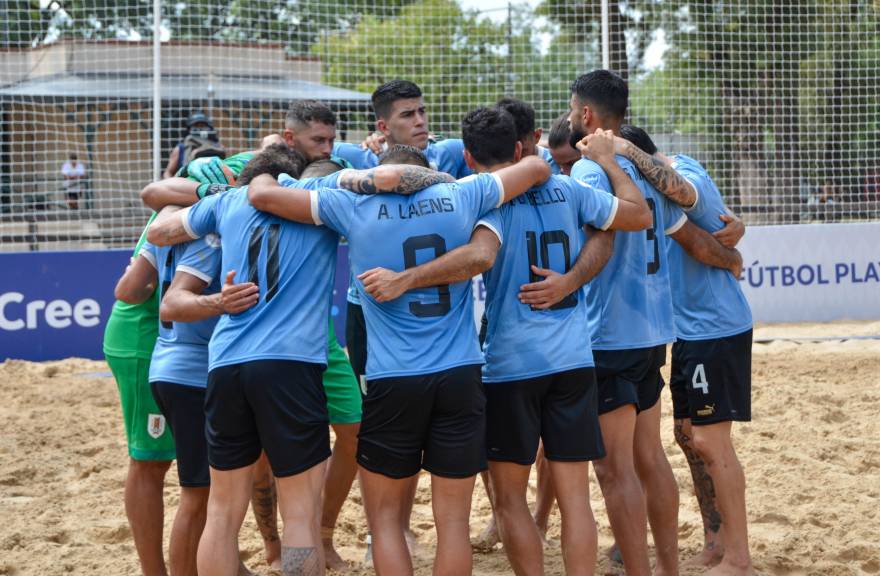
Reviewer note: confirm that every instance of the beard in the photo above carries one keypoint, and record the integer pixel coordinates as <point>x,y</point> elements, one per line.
<point>575,136</point>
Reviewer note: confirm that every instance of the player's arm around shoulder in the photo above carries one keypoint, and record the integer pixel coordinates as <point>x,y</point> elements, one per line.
<point>185,301</point>
<point>170,227</point>
<point>659,173</point>
<point>631,212</point>
<point>704,248</point>
<point>296,204</point>
<point>515,180</point>
<point>393,178</point>
<point>458,265</point>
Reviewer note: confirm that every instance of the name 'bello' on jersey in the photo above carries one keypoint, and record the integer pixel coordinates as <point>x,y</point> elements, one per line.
<point>629,302</point>
<point>425,330</point>
<point>181,352</point>
<point>542,228</point>
<point>709,302</point>
<point>293,264</point>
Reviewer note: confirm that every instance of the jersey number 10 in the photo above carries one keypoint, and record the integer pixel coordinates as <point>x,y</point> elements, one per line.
<point>547,238</point>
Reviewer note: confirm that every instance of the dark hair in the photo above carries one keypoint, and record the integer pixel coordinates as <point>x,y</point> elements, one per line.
<point>275,159</point>
<point>72,156</point>
<point>523,115</point>
<point>403,154</point>
<point>322,167</point>
<point>560,132</point>
<point>489,135</point>
<point>390,92</point>
<point>638,137</point>
<point>605,90</point>
<point>302,112</point>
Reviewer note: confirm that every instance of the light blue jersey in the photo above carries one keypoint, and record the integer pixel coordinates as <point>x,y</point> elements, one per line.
<point>541,228</point>
<point>444,156</point>
<point>181,352</point>
<point>425,330</point>
<point>630,301</point>
<point>548,158</point>
<point>709,302</point>
<point>293,264</point>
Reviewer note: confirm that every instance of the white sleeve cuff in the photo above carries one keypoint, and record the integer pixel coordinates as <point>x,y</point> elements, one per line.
<point>313,202</point>
<point>615,204</point>
<point>677,226</point>
<point>197,273</point>
<point>490,227</point>
<point>184,219</point>
<point>500,189</point>
<point>148,256</point>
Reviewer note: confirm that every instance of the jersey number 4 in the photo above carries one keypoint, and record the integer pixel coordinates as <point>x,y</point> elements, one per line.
<point>412,245</point>
<point>699,381</point>
<point>547,239</point>
<point>255,246</point>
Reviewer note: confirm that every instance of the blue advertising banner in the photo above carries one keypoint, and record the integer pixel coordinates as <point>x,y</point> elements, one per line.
<point>55,304</point>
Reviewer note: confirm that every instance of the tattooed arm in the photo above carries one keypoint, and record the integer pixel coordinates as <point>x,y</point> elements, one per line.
<point>702,247</point>
<point>398,178</point>
<point>660,174</point>
<point>458,265</point>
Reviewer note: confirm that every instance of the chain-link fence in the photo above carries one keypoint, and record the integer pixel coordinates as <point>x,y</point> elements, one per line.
<point>778,99</point>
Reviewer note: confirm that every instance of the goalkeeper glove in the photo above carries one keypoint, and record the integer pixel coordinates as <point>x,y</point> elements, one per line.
<point>209,170</point>
<point>209,189</point>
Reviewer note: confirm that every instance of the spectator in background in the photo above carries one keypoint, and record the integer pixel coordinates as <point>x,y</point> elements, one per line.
<point>200,140</point>
<point>74,172</point>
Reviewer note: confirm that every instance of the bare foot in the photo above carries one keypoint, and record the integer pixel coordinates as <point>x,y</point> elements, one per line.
<point>332,559</point>
<point>273,553</point>
<point>488,538</point>
<point>708,557</point>
<point>730,568</point>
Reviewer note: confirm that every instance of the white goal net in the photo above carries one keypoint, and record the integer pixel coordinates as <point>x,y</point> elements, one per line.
<point>780,100</point>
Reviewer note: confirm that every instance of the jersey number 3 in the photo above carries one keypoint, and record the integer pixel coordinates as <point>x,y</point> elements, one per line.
<point>412,245</point>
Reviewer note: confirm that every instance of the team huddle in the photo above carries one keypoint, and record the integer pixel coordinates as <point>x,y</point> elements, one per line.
<point>597,251</point>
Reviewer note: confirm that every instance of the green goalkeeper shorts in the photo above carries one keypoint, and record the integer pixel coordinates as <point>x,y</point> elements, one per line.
<point>148,435</point>
<point>340,385</point>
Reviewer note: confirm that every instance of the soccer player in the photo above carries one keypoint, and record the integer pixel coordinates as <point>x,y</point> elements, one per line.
<point>711,357</point>
<point>129,339</point>
<point>178,376</point>
<point>631,321</point>
<point>424,404</point>
<point>538,374</point>
<point>559,144</point>
<point>264,388</point>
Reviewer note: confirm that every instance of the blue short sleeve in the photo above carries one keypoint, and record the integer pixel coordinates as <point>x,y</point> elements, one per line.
<point>334,208</point>
<point>595,207</point>
<point>151,253</point>
<point>202,258</point>
<point>493,222</point>
<point>588,172</point>
<point>448,156</point>
<point>358,157</point>
<point>673,216</point>
<point>482,192</point>
<point>201,217</point>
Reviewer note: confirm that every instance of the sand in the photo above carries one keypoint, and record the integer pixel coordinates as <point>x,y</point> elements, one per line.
<point>811,455</point>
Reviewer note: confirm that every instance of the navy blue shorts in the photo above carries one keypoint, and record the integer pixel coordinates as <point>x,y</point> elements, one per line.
<point>629,377</point>
<point>184,410</point>
<point>274,405</point>
<point>560,409</point>
<point>712,379</point>
<point>432,421</point>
